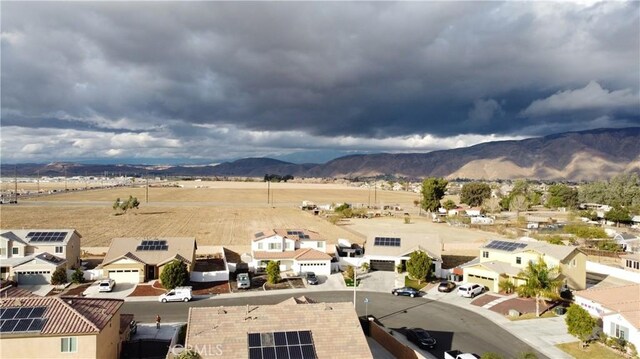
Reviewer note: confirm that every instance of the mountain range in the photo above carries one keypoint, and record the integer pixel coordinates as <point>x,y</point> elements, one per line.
<point>571,156</point>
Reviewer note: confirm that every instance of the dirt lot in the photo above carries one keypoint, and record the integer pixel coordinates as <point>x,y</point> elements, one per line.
<point>227,213</point>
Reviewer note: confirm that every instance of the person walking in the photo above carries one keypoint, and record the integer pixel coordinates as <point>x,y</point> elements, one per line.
<point>158,321</point>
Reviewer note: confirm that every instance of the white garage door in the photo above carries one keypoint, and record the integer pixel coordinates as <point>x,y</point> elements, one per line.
<point>33,277</point>
<point>125,275</point>
<point>319,268</point>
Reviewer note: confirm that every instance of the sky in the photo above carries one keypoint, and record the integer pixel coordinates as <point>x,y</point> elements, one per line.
<point>205,82</point>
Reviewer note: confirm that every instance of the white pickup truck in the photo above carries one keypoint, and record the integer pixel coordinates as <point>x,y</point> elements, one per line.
<point>456,354</point>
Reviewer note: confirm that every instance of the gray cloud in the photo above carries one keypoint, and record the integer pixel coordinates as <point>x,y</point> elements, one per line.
<point>309,76</point>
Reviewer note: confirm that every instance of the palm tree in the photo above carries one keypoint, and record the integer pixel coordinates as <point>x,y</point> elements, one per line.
<point>541,282</point>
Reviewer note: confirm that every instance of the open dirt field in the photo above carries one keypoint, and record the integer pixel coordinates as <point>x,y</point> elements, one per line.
<point>224,213</point>
<point>244,194</point>
<point>210,225</point>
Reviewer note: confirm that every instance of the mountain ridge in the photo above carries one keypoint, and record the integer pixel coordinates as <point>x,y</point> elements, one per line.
<point>569,156</point>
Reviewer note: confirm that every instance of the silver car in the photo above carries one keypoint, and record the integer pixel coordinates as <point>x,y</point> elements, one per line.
<point>243,280</point>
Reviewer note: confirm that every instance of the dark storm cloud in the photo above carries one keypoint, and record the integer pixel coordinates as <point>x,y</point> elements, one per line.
<point>194,72</point>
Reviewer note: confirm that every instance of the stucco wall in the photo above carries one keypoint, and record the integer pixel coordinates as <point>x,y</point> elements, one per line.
<point>47,347</point>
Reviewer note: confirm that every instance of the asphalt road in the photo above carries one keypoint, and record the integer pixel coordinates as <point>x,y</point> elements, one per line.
<point>453,327</point>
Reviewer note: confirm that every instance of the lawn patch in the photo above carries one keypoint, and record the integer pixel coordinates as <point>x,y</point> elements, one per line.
<point>593,351</point>
<point>408,282</point>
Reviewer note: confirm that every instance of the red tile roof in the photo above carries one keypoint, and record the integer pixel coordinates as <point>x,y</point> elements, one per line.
<point>13,292</point>
<point>301,254</point>
<point>70,315</point>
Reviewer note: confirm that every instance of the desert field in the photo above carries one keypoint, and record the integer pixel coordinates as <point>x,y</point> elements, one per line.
<point>221,213</point>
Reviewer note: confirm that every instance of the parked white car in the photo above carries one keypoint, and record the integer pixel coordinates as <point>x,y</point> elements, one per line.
<point>106,285</point>
<point>470,290</point>
<point>177,294</point>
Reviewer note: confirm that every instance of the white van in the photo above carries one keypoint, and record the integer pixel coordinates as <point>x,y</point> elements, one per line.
<point>470,290</point>
<point>177,294</point>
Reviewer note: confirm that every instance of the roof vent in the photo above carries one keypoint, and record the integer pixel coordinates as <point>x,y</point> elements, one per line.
<point>222,311</point>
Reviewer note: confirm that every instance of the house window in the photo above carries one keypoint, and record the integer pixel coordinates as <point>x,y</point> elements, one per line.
<point>574,262</point>
<point>320,244</point>
<point>15,250</point>
<point>518,260</point>
<point>274,246</point>
<point>287,245</point>
<point>485,254</point>
<point>259,245</point>
<point>69,345</point>
<point>619,331</point>
<point>3,252</point>
<point>59,249</point>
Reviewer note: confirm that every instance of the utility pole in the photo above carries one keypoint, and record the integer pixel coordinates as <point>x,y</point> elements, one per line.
<point>268,191</point>
<point>147,197</point>
<point>15,181</point>
<point>38,180</point>
<point>64,167</point>
<point>368,185</point>
<point>375,194</point>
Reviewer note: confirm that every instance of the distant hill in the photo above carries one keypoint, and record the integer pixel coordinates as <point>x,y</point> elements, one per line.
<point>574,156</point>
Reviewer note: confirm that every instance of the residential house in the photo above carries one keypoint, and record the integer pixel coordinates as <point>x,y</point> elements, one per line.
<point>137,260</point>
<point>295,328</point>
<point>618,307</point>
<point>502,259</point>
<point>628,241</point>
<point>60,327</point>
<point>386,252</point>
<point>31,256</point>
<point>297,250</point>
<point>631,262</point>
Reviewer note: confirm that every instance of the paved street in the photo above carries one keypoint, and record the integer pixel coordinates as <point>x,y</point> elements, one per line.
<point>453,327</point>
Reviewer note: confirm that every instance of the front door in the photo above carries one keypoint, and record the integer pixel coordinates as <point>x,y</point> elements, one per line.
<point>151,273</point>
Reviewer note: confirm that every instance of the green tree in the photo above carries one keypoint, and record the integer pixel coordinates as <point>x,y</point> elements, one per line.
<point>518,203</point>
<point>579,322</point>
<point>527,355</point>
<point>595,192</point>
<point>419,266</point>
<point>506,285</point>
<point>349,273</point>
<point>474,193</point>
<point>618,215</point>
<point>273,272</point>
<point>77,277</point>
<point>541,282</point>
<point>188,354</point>
<point>124,206</point>
<point>561,195</point>
<point>449,204</point>
<point>433,189</point>
<point>59,276</point>
<point>491,205</point>
<point>174,274</point>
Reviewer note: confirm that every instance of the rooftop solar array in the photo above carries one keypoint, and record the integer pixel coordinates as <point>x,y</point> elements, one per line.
<point>386,242</point>
<point>25,319</point>
<point>46,236</point>
<point>277,345</point>
<point>505,246</point>
<point>259,234</point>
<point>153,245</point>
<point>300,234</point>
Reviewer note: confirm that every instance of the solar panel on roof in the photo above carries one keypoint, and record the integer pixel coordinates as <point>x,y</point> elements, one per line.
<point>8,325</point>
<point>292,344</point>
<point>259,234</point>
<point>37,312</point>
<point>505,245</point>
<point>23,313</point>
<point>386,242</point>
<point>8,313</point>
<point>36,325</point>
<point>46,236</point>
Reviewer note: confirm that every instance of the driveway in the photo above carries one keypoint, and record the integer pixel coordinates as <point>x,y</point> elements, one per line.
<point>380,281</point>
<point>120,291</point>
<point>38,289</point>
<point>332,282</point>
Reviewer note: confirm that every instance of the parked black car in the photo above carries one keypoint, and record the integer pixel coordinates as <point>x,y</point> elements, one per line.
<point>421,338</point>
<point>446,286</point>
<point>407,291</point>
<point>311,278</point>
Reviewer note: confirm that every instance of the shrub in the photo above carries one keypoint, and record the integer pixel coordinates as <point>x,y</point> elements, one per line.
<point>174,274</point>
<point>349,273</point>
<point>506,286</point>
<point>365,267</point>
<point>273,272</point>
<point>583,231</point>
<point>77,277</point>
<point>59,276</point>
<point>407,220</point>
<point>610,246</point>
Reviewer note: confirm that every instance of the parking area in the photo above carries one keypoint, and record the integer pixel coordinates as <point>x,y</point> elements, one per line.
<point>380,281</point>
<point>331,282</point>
<point>120,291</point>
